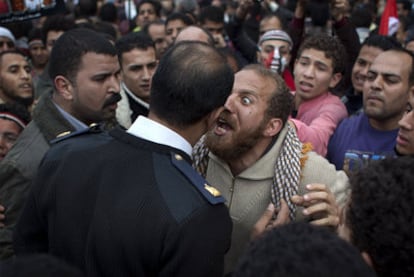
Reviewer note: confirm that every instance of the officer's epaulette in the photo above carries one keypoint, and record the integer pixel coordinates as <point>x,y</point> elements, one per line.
<point>93,128</point>
<point>209,192</point>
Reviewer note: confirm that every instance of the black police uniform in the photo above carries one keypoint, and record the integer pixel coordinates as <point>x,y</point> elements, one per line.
<point>117,205</point>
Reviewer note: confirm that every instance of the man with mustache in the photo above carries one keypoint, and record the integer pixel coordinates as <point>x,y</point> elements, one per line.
<point>370,48</point>
<point>16,84</point>
<point>138,207</point>
<point>371,135</point>
<point>256,159</point>
<point>85,70</point>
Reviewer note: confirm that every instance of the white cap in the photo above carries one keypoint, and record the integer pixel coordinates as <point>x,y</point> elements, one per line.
<point>4,32</point>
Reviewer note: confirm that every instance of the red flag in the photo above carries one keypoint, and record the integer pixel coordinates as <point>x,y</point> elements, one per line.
<point>389,19</point>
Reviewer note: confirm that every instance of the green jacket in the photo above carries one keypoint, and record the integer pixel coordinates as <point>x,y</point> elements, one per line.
<point>19,167</point>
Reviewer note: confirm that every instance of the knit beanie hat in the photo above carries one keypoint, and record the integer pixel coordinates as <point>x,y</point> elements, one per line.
<point>4,32</point>
<point>276,35</point>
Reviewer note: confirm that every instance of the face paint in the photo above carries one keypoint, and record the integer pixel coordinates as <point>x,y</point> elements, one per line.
<point>276,62</point>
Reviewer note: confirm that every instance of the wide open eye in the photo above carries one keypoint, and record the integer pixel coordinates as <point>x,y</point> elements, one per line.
<point>246,100</point>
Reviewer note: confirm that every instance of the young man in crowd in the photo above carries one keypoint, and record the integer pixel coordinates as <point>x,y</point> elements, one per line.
<point>136,54</point>
<point>16,84</point>
<point>371,135</point>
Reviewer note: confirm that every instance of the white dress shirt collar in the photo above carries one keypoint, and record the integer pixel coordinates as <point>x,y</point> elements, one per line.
<point>148,129</point>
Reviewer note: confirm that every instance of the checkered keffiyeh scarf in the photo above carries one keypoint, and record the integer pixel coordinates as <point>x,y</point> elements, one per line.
<point>287,168</point>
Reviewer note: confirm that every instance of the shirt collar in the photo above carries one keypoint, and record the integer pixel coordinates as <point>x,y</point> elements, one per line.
<point>148,129</point>
<point>77,124</point>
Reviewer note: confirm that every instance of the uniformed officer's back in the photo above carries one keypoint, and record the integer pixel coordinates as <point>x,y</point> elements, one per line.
<point>129,203</point>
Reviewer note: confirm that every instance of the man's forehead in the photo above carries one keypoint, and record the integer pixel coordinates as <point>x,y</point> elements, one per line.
<point>391,60</point>
<point>316,56</point>
<point>98,61</point>
<point>146,7</point>
<point>248,79</point>
<point>175,22</point>
<point>8,126</point>
<point>9,59</point>
<point>149,51</point>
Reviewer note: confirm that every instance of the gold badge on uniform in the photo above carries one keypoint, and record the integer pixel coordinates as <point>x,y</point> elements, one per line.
<point>63,134</point>
<point>212,190</point>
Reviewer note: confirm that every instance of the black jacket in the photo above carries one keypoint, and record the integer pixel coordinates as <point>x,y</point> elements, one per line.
<point>117,205</point>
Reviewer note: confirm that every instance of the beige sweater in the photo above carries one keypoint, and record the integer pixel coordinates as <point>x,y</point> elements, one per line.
<point>248,194</point>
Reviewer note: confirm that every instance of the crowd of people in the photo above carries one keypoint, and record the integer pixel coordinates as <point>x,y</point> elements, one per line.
<point>207,138</point>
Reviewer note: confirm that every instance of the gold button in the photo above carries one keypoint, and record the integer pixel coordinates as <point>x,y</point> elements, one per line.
<point>178,157</point>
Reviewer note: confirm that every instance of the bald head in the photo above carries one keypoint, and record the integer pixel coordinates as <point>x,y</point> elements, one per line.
<point>195,33</point>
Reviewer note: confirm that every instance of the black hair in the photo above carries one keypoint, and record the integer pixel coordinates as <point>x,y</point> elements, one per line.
<point>67,53</point>
<point>107,29</point>
<point>86,8</point>
<point>380,215</point>
<point>108,12</point>
<point>156,4</point>
<point>332,48</point>
<point>361,16</point>
<point>35,33</point>
<point>17,110</point>
<point>211,13</point>
<point>406,4</point>
<point>301,250</point>
<point>279,15</point>
<point>382,42</point>
<point>57,22</point>
<point>11,51</point>
<point>179,16</point>
<point>191,80</point>
<point>136,40</point>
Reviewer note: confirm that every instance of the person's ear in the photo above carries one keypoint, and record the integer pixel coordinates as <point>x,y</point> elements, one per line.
<point>273,127</point>
<point>64,87</point>
<point>336,78</point>
<point>367,258</point>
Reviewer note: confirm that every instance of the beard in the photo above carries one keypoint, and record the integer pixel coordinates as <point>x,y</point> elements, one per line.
<point>237,146</point>
<point>25,101</point>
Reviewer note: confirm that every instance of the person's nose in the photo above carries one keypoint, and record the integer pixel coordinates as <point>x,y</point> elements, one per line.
<point>230,102</point>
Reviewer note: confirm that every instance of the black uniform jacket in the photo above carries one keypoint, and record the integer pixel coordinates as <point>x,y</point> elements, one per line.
<point>116,205</point>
